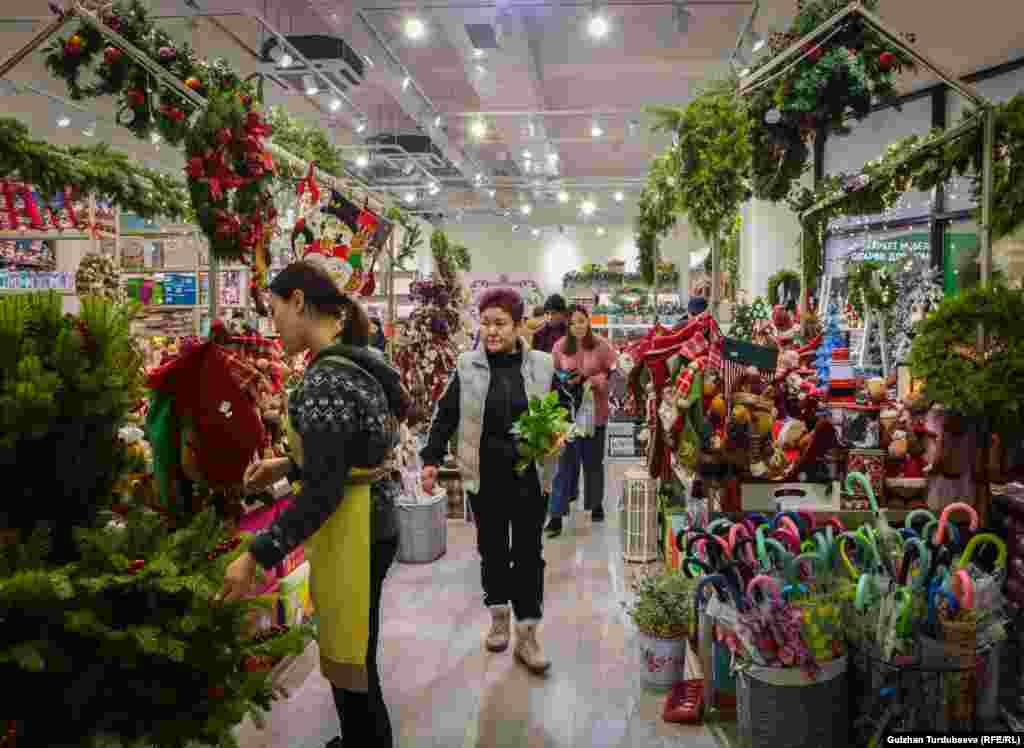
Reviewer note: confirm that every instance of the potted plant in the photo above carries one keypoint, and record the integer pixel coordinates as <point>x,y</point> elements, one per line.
<point>663,613</point>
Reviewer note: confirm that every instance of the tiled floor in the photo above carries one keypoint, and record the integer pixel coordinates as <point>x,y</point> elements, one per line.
<point>444,690</point>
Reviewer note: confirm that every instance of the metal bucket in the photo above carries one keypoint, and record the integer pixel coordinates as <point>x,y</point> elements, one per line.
<point>423,530</point>
<point>662,661</point>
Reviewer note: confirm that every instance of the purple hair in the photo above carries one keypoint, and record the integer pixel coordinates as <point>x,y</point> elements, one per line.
<point>506,299</point>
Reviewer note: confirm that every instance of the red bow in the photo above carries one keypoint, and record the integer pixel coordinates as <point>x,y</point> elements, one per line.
<point>216,189</point>
<point>227,224</point>
<point>173,112</point>
<point>255,126</point>
<point>309,183</point>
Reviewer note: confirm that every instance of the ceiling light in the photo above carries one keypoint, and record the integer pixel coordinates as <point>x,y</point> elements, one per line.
<point>596,130</point>
<point>362,161</point>
<point>563,196</point>
<point>553,157</point>
<point>491,193</point>
<point>335,104</point>
<point>744,72</point>
<point>434,188</point>
<point>280,56</point>
<point>515,228</point>
<point>527,165</point>
<point>409,168</point>
<point>369,60</point>
<point>588,207</point>
<point>361,125</point>
<point>155,137</point>
<point>478,53</point>
<point>527,155</point>
<point>405,83</point>
<point>478,129</point>
<point>682,17</point>
<point>285,61</point>
<point>632,126</point>
<point>415,28</point>
<point>89,130</point>
<point>63,121</point>
<point>310,84</point>
<point>438,120</point>
<point>535,232</point>
<point>619,197</point>
<point>600,230</point>
<point>757,41</point>
<point>598,26</point>
<point>481,70</point>
<point>410,197</point>
<point>526,209</point>
<point>480,178</point>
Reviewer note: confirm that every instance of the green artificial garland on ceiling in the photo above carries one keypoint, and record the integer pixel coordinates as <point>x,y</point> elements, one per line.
<point>95,170</point>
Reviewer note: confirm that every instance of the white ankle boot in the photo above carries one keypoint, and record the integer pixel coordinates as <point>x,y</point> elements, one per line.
<point>528,650</point>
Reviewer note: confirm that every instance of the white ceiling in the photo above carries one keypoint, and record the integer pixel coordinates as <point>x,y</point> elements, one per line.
<point>545,62</point>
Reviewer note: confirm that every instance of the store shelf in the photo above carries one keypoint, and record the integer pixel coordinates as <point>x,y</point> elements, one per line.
<point>36,236</point>
<point>61,291</point>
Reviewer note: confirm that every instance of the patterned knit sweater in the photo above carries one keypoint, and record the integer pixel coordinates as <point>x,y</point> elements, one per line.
<point>344,417</point>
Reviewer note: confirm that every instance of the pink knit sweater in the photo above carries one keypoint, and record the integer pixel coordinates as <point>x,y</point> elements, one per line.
<point>595,365</point>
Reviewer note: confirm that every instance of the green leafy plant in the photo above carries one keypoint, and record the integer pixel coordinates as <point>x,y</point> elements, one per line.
<point>412,238</point>
<point>664,605</point>
<point>987,383</point>
<point>539,430</point>
<point>861,287</point>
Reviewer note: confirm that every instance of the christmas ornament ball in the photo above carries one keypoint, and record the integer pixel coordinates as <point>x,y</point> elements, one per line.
<point>193,83</point>
<point>112,55</point>
<point>886,61</point>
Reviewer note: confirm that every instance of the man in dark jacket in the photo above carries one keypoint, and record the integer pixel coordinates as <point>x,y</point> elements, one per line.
<point>556,327</point>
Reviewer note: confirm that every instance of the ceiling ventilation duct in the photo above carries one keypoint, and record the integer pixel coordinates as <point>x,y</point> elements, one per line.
<point>329,55</point>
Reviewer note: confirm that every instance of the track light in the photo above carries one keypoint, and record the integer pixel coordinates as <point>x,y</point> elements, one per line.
<point>279,56</point>
<point>527,155</point>
<point>335,104</point>
<point>410,197</point>
<point>757,42</point>
<point>480,178</point>
<point>552,158</point>
<point>598,25</point>
<point>619,197</point>
<point>600,230</point>
<point>481,70</point>
<point>632,127</point>
<point>596,130</point>
<point>362,161</point>
<point>434,188</point>
<point>744,72</point>
<point>361,126</point>
<point>285,61</point>
<point>563,196</point>
<point>438,121</point>
<point>681,16</point>
<point>491,193</point>
<point>369,60</point>
<point>406,82</point>
<point>478,129</point>
<point>478,54</point>
<point>588,207</point>
<point>154,138</point>
<point>408,168</point>
<point>415,29</point>
<point>515,227</point>
<point>535,232</point>
<point>63,121</point>
<point>89,130</point>
<point>310,84</point>
<point>526,209</point>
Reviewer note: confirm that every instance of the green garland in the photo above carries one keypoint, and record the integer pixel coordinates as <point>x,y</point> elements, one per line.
<point>943,353</point>
<point>306,142</point>
<point>95,170</point>
<point>779,279</point>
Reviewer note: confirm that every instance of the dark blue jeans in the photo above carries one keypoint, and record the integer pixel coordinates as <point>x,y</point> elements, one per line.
<point>588,454</point>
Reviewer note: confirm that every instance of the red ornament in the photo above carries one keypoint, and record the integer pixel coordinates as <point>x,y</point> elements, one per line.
<point>196,168</point>
<point>112,55</point>
<point>886,61</point>
<point>136,97</point>
<point>136,566</point>
<point>73,46</point>
<point>194,83</point>
<point>216,692</point>
<point>225,136</point>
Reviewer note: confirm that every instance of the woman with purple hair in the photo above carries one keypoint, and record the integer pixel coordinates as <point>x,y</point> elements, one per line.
<point>490,388</point>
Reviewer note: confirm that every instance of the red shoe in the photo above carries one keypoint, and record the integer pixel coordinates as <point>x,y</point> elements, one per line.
<point>686,702</point>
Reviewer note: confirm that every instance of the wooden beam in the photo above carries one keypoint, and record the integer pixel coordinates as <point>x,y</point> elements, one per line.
<point>33,44</point>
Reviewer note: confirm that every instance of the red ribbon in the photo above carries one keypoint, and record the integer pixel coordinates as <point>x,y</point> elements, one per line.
<point>216,191</point>
<point>255,126</point>
<point>367,221</point>
<point>196,168</point>
<point>227,224</point>
<point>309,183</point>
<point>32,209</point>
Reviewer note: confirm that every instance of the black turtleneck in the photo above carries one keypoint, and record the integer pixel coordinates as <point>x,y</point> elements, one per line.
<point>506,401</point>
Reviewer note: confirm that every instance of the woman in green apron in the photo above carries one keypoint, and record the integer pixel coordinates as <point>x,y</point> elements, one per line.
<point>342,425</point>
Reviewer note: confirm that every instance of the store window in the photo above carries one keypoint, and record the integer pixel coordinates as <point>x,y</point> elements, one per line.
<point>868,141</point>
<point>877,246</point>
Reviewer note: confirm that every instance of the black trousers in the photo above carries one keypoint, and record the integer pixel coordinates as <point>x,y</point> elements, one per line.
<point>512,569</point>
<point>364,716</point>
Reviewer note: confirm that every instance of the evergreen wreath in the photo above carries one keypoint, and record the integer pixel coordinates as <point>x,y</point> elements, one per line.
<point>986,384</point>
<point>781,278</point>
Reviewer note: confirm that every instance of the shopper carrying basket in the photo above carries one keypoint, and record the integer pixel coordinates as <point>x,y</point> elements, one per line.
<point>489,390</point>
<point>343,428</point>
<point>586,360</point>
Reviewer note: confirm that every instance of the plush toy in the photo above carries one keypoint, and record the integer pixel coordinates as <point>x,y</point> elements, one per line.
<point>789,438</point>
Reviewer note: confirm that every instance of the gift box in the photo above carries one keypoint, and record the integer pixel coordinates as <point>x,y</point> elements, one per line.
<point>294,598</point>
<point>266,615</point>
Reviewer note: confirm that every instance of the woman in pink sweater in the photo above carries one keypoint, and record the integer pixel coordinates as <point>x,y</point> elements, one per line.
<point>586,358</point>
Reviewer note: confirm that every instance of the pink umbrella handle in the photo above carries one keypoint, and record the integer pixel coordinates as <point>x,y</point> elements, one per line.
<point>734,535</point>
<point>726,548</point>
<point>837,523</point>
<point>790,525</point>
<point>966,593</point>
<point>763,580</point>
<point>699,548</point>
<point>809,516</point>
<point>792,538</point>
<point>940,534</point>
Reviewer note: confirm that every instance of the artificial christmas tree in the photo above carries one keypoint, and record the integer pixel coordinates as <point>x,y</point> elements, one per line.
<point>427,352</point>
<point>832,339</point>
<point>108,617</point>
<point>918,290</point>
